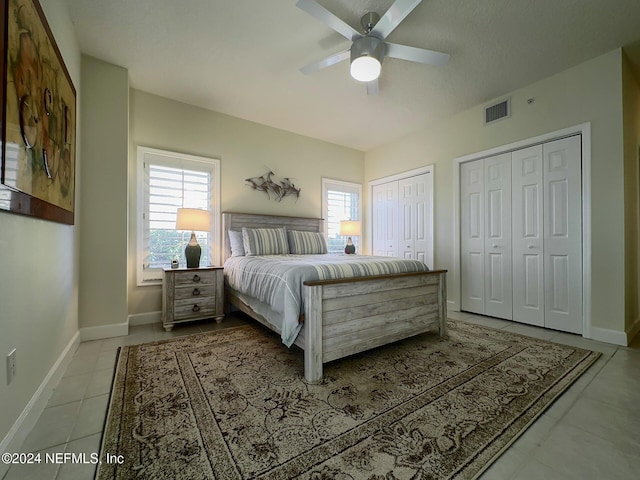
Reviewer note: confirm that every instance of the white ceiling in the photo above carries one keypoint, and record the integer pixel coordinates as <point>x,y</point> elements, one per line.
<point>241,57</point>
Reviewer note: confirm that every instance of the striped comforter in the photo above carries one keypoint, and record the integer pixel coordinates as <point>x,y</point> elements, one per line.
<point>277,279</point>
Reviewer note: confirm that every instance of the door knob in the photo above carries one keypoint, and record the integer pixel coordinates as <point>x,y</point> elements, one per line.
<point>530,246</point>
<point>494,246</point>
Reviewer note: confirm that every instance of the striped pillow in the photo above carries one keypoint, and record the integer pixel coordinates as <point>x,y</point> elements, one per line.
<point>306,243</point>
<point>265,241</point>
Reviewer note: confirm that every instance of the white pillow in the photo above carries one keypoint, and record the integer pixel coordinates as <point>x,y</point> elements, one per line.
<point>237,245</point>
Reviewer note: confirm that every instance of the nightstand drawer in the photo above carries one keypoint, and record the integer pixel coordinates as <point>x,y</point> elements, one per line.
<point>195,291</point>
<point>194,308</point>
<point>195,277</point>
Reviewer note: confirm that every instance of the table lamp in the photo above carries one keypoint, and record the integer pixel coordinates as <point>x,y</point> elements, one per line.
<point>350,228</point>
<point>193,219</point>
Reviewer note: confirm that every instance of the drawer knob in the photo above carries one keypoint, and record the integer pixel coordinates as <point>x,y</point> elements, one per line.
<point>196,292</point>
<point>196,278</point>
<point>195,308</point>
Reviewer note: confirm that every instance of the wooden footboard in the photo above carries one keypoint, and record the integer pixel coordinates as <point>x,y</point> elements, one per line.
<point>347,316</point>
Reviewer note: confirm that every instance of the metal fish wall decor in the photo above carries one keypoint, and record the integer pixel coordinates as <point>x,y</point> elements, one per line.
<point>275,189</point>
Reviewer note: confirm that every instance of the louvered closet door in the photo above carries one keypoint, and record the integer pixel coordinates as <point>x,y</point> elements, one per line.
<point>497,238</point>
<point>414,222</point>
<point>385,219</point>
<point>527,233</point>
<point>563,234</point>
<point>472,236</point>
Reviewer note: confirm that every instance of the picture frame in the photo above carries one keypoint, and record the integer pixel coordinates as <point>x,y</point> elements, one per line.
<point>38,125</point>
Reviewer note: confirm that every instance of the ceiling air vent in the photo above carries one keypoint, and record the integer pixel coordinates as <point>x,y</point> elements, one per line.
<point>497,111</point>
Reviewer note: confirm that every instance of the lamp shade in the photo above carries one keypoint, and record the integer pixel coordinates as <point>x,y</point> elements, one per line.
<point>350,228</point>
<point>193,219</point>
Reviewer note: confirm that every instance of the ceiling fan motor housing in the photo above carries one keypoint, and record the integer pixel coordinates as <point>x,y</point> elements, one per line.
<point>368,52</point>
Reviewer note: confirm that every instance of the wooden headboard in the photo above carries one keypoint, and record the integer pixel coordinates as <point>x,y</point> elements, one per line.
<point>235,221</point>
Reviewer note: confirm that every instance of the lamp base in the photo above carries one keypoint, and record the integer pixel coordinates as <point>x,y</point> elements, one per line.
<point>350,248</point>
<point>193,252</point>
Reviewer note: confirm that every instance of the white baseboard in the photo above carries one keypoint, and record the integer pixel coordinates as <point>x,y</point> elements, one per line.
<point>615,337</point>
<point>452,306</point>
<point>145,318</point>
<point>29,416</point>
<point>104,331</point>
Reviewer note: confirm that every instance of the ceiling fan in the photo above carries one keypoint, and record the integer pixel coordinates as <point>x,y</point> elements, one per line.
<point>369,48</point>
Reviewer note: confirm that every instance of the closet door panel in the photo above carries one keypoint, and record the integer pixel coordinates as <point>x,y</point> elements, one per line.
<point>527,236</point>
<point>563,234</point>
<point>497,240</point>
<point>422,241</point>
<point>415,222</point>
<point>472,236</point>
<point>385,219</point>
<point>406,203</point>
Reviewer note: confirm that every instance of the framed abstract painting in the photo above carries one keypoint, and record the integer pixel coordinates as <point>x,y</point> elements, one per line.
<point>38,125</point>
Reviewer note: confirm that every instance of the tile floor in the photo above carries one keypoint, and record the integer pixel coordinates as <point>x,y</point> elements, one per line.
<point>591,432</point>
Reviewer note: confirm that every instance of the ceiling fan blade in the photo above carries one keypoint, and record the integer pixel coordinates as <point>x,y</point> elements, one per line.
<point>320,13</point>
<point>396,13</point>
<point>325,62</point>
<point>372,87</point>
<point>414,54</point>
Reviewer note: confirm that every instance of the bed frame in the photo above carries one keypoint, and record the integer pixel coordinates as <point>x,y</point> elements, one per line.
<point>347,316</point>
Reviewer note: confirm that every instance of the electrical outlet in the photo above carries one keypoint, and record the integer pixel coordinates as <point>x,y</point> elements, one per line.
<point>11,366</point>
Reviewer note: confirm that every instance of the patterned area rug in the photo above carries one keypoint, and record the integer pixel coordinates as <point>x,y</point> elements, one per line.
<point>234,404</point>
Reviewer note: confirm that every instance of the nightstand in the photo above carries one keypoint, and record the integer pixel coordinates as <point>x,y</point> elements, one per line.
<point>192,294</point>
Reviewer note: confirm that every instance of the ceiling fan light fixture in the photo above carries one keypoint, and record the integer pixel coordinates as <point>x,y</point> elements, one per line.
<point>366,58</point>
<point>365,69</point>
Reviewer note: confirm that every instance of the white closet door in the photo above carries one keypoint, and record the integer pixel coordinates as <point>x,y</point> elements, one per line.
<point>406,218</point>
<point>385,219</point>
<point>414,220</point>
<point>563,234</point>
<point>527,233</point>
<point>497,238</point>
<point>423,240</point>
<point>472,235</point>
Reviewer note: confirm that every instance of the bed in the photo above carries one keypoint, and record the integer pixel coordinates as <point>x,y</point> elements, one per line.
<point>343,316</point>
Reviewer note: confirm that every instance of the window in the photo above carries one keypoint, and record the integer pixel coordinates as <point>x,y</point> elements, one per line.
<point>12,153</point>
<point>168,181</point>
<point>340,201</point>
